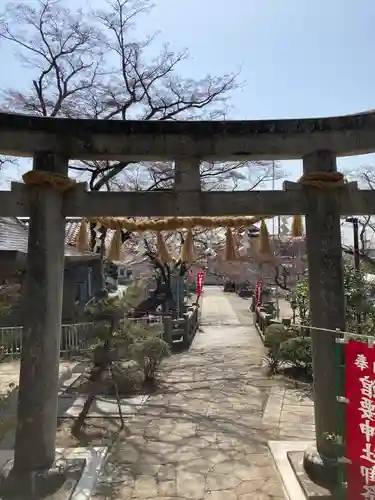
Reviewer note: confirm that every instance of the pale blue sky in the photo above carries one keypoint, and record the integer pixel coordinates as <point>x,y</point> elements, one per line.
<point>298,58</point>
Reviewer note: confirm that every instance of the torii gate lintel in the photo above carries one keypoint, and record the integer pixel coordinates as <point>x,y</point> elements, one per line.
<point>78,202</point>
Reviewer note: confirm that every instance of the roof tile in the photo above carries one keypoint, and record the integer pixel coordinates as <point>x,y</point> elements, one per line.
<point>14,237</point>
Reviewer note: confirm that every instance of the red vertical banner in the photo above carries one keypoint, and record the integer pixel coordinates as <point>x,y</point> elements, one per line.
<point>360,420</point>
<point>258,292</point>
<point>199,283</point>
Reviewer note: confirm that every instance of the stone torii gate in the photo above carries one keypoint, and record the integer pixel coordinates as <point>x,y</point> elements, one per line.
<point>53,142</point>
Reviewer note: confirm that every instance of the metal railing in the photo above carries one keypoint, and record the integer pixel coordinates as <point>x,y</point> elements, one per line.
<point>11,340</point>
<point>74,337</point>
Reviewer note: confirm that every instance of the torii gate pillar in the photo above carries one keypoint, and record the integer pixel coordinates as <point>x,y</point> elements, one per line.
<point>39,374</point>
<point>327,311</point>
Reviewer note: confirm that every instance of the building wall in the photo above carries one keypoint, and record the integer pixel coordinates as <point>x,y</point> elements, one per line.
<point>68,308</point>
<point>79,286</point>
<point>9,268</point>
<point>134,270</point>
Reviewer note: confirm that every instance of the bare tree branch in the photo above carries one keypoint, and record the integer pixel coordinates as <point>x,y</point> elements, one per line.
<point>86,63</point>
<point>60,48</point>
<point>89,64</point>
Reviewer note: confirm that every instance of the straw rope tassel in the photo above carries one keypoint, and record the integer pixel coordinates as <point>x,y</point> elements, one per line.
<point>297,226</point>
<point>82,241</point>
<point>264,240</point>
<point>114,252</point>
<point>230,250</point>
<point>188,254</point>
<point>163,253</point>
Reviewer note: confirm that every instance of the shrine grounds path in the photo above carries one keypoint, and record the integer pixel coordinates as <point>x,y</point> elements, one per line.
<point>204,436</point>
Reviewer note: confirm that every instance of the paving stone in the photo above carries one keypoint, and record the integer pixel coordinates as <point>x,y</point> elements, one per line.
<point>101,407</point>
<point>292,416</point>
<point>298,431</point>
<point>167,488</point>
<point>216,481</point>
<point>200,466</point>
<point>214,456</point>
<point>144,486</point>
<point>190,485</point>
<point>240,470</point>
<point>247,487</point>
<point>221,495</point>
<point>166,473</point>
<point>298,397</point>
<point>273,410</point>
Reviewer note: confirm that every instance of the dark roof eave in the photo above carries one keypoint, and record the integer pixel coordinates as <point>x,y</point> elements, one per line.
<point>70,258</point>
<point>81,258</point>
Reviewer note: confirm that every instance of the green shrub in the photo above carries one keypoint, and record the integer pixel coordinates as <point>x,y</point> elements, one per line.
<point>128,376</point>
<point>296,331</point>
<point>272,360</point>
<point>356,291</point>
<point>275,334</point>
<point>100,332</point>
<point>149,352</point>
<point>130,330</point>
<point>108,309</point>
<point>297,351</point>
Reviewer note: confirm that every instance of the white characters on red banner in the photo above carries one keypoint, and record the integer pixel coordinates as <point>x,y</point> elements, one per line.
<point>200,278</point>
<point>258,292</point>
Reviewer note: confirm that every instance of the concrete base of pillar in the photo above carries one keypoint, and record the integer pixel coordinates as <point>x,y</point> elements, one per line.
<point>73,476</point>
<point>323,471</point>
<point>288,457</point>
<point>59,479</point>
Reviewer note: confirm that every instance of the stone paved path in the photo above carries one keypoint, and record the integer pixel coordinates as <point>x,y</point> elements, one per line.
<point>203,437</point>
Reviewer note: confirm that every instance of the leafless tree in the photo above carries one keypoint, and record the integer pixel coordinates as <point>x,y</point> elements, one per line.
<point>365,176</point>
<point>366,224</point>
<point>62,51</point>
<point>227,176</point>
<point>89,64</point>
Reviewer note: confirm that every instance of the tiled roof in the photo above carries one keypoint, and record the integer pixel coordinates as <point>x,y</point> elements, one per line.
<point>14,236</point>
<point>72,230</point>
<point>129,253</point>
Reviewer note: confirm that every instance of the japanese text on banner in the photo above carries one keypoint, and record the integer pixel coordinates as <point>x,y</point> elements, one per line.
<point>200,277</point>
<point>360,420</point>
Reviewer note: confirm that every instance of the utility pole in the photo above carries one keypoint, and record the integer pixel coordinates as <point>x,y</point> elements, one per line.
<point>275,237</point>
<point>354,221</point>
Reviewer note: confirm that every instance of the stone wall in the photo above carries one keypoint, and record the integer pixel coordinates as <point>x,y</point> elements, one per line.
<point>182,330</point>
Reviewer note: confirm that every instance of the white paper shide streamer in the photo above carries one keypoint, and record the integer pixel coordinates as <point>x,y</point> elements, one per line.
<point>99,231</point>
